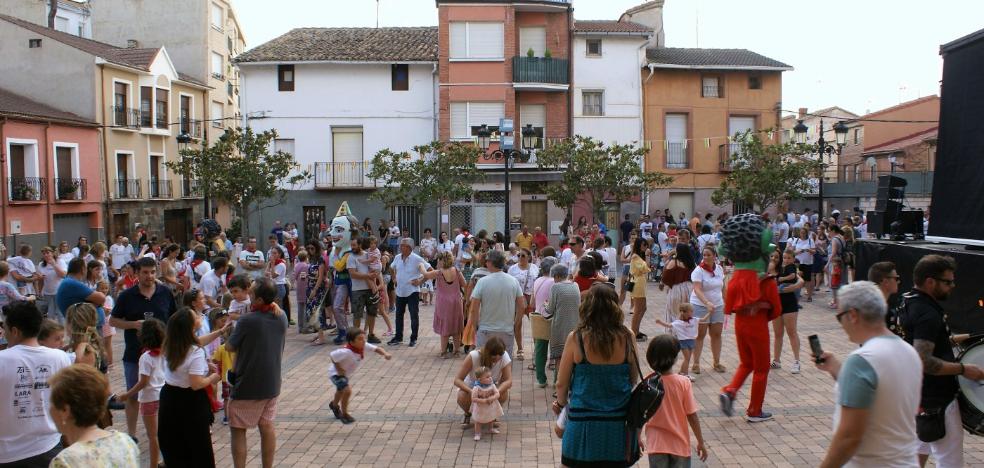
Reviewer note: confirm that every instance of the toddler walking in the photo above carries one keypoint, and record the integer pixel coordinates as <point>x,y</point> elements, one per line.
<point>685,330</point>
<point>666,439</point>
<point>485,408</point>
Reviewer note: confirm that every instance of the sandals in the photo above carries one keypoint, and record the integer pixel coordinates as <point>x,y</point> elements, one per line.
<point>531,367</point>
<point>695,369</point>
<point>719,368</point>
<point>467,422</point>
<point>520,356</point>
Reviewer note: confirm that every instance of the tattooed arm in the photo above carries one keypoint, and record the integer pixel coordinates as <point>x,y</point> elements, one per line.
<point>933,365</point>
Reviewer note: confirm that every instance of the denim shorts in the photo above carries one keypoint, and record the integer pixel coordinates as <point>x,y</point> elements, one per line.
<point>688,344</point>
<point>131,374</point>
<point>341,382</point>
<point>700,311</point>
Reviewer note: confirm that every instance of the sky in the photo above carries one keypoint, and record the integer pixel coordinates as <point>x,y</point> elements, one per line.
<point>861,55</point>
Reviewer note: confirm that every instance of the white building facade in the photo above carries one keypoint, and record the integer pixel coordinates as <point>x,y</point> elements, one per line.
<point>334,111</point>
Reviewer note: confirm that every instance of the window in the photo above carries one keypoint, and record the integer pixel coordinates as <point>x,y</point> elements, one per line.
<point>284,144</point>
<point>216,114</point>
<point>711,87</point>
<point>146,106</point>
<point>476,41</point>
<point>216,16</point>
<point>33,43</point>
<point>535,115</point>
<point>858,135</point>
<point>593,103</point>
<point>120,101</point>
<point>594,47</point>
<point>185,114</point>
<point>468,117</point>
<point>61,24</point>
<point>532,38</point>
<point>285,77</point>
<point>229,44</point>
<point>676,141</point>
<point>754,81</point>
<point>217,66</point>
<point>162,109</point>
<point>400,77</point>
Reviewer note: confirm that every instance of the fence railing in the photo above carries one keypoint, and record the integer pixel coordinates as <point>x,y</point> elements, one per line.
<point>125,117</point>
<point>127,189</point>
<point>540,70</point>
<point>159,188</point>
<point>342,174</point>
<point>866,184</point>
<point>712,91</point>
<point>70,189</point>
<point>676,156</point>
<point>192,127</point>
<point>28,188</point>
<point>190,188</point>
<point>725,153</point>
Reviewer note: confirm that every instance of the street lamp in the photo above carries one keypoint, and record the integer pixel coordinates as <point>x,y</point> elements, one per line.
<point>823,149</point>
<point>528,142</point>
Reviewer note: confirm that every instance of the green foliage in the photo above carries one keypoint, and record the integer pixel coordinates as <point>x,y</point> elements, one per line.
<point>530,53</point>
<point>596,172</point>
<point>439,173</point>
<point>241,169</point>
<point>547,54</point>
<point>764,175</point>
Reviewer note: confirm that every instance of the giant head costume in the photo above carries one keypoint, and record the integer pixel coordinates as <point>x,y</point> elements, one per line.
<point>747,241</point>
<point>344,227</point>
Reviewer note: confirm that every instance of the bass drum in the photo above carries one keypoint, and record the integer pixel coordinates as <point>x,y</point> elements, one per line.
<point>971,396</point>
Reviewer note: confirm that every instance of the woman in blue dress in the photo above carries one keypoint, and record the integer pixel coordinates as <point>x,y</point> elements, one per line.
<point>595,379</point>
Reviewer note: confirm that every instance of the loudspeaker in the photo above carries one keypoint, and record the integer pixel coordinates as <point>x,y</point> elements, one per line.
<point>890,181</point>
<point>877,224</point>
<point>891,192</point>
<point>888,206</point>
<point>910,223</point>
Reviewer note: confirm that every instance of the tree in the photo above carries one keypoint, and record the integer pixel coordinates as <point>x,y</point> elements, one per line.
<point>52,13</point>
<point>240,169</point>
<point>440,173</point>
<point>763,175</point>
<point>596,172</point>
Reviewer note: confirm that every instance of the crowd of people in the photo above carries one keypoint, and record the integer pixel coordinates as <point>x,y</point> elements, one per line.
<point>204,329</point>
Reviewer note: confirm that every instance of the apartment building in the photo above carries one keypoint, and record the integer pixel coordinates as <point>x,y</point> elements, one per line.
<point>73,17</point>
<point>336,97</point>
<point>141,102</point>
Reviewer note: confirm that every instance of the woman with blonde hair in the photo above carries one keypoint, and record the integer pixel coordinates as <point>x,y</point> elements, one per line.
<point>449,319</point>
<point>84,338</point>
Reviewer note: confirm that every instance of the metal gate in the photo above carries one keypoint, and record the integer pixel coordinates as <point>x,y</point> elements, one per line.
<point>177,224</point>
<point>460,215</point>
<point>69,227</point>
<point>609,215</point>
<point>121,225</point>
<point>314,216</point>
<point>489,212</point>
<point>408,219</point>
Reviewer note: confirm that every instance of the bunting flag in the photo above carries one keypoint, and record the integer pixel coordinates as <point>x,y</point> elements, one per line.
<point>707,142</point>
<point>685,144</point>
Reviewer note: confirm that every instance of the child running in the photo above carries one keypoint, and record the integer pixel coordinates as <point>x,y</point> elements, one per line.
<point>665,436</point>
<point>344,362</point>
<point>685,330</point>
<point>485,408</point>
<point>148,388</point>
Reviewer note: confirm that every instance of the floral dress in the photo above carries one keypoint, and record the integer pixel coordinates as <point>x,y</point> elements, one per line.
<point>313,306</point>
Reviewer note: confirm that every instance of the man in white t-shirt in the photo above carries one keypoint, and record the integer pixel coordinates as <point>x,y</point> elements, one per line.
<point>497,302</point>
<point>780,232</point>
<point>23,271</point>
<point>28,437</point>
<point>213,282</point>
<point>252,260</point>
<point>460,236</point>
<point>646,228</point>
<point>393,236</point>
<point>877,391</point>
<point>120,253</point>
<point>571,256</point>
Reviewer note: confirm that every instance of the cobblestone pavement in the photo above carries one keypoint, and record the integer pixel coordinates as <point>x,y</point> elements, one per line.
<point>407,416</point>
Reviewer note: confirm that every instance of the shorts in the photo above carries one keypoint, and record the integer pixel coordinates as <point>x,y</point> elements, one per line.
<point>360,304</point>
<point>508,338</point>
<point>226,390</point>
<point>247,414</point>
<point>150,408</point>
<point>688,344</point>
<point>789,303</point>
<point>625,269</point>
<point>341,382</point>
<point>700,311</point>
<point>806,271</point>
<point>131,374</point>
<point>665,460</point>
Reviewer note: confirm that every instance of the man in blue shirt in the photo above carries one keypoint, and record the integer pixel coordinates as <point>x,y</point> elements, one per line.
<point>73,290</point>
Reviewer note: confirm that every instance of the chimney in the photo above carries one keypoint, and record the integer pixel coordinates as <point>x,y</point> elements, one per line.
<point>802,113</point>
<point>648,14</point>
<point>132,43</point>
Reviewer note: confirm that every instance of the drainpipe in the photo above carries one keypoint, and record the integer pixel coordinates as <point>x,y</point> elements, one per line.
<point>107,192</point>
<point>436,91</point>
<point>3,193</point>
<point>642,130</point>
<point>47,173</point>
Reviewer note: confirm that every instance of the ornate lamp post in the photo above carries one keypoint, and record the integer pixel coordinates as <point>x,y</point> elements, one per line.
<point>822,148</point>
<point>529,142</point>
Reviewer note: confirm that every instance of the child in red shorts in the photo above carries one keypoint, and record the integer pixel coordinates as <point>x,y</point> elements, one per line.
<point>148,388</point>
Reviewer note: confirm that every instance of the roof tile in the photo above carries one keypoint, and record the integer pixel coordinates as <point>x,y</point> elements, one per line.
<point>610,26</point>
<point>15,105</point>
<point>711,58</point>
<point>405,44</point>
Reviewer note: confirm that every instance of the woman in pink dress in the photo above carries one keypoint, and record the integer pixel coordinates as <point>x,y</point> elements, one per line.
<point>449,319</point>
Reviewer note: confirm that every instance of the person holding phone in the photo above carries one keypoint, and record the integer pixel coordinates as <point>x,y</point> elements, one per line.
<point>877,391</point>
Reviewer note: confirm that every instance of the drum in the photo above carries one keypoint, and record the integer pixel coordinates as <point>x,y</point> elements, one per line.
<point>971,395</point>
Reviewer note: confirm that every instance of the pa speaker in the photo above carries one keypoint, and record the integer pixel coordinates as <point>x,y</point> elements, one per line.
<point>890,181</point>
<point>888,206</point>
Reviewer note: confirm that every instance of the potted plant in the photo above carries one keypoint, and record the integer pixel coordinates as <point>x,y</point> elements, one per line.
<point>547,54</point>
<point>22,192</point>
<point>67,189</point>
<point>530,53</point>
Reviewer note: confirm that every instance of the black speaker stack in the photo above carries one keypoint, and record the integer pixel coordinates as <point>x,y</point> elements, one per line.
<point>889,218</point>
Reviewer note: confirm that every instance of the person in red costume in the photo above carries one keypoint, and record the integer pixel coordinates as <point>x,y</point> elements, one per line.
<point>753,299</point>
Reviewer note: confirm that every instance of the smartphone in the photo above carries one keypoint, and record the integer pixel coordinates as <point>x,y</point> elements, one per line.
<point>815,347</point>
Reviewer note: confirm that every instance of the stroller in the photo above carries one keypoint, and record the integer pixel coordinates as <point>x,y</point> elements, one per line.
<point>656,263</point>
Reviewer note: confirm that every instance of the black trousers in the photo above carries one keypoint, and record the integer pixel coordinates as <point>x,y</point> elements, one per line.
<point>185,416</point>
<point>413,301</point>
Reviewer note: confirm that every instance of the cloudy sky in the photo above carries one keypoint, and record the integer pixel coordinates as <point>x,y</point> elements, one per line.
<point>858,54</point>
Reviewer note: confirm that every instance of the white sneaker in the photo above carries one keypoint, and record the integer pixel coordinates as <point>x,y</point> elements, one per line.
<point>796,367</point>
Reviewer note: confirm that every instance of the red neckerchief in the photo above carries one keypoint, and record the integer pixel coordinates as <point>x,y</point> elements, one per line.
<point>280,261</point>
<point>262,307</point>
<point>709,268</point>
<point>360,351</point>
<point>153,351</point>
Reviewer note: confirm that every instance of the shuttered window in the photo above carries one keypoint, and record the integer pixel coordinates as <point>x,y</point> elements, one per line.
<point>532,38</point>
<point>216,114</point>
<point>740,125</point>
<point>467,117</point>
<point>347,144</point>
<point>535,115</point>
<point>476,41</point>
<point>217,66</point>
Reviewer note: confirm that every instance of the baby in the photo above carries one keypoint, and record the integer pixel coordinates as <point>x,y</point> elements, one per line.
<point>685,330</point>
<point>375,261</point>
<point>485,407</point>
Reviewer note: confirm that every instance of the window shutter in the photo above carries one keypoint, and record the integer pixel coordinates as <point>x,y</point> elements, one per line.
<point>459,40</point>
<point>487,113</point>
<point>676,128</point>
<point>533,114</point>
<point>459,120</point>
<point>532,38</point>
<point>485,40</point>
<point>740,124</point>
<point>216,15</point>
<point>216,114</point>
<point>216,63</point>
<point>284,144</point>
<point>347,145</point>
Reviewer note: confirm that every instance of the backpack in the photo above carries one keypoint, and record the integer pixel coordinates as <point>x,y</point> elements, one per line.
<point>194,270</point>
<point>646,398</point>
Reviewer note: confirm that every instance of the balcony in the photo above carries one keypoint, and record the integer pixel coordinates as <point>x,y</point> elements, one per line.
<point>725,152</point>
<point>159,188</point>
<point>190,189</point>
<point>540,73</point>
<point>712,91</point>
<point>26,189</point>
<point>70,189</point>
<point>919,184</point>
<point>329,175</point>
<point>124,117</point>
<point>676,156</point>
<point>192,128</point>
<point>127,189</point>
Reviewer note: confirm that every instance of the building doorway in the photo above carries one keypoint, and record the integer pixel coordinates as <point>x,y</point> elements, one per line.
<point>177,224</point>
<point>682,202</point>
<point>121,225</point>
<point>534,214</point>
<point>314,216</point>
